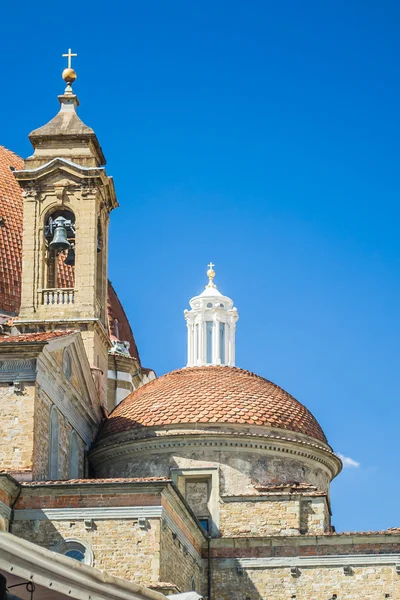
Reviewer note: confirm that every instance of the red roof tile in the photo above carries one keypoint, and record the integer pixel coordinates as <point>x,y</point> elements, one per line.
<point>30,338</point>
<point>10,232</point>
<point>211,395</point>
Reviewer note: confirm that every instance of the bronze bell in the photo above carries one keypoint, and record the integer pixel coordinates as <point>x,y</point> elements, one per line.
<point>70,260</point>
<point>59,241</point>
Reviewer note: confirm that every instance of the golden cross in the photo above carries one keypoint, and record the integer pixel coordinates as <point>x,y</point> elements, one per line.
<point>69,55</point>
<point>211,265</point>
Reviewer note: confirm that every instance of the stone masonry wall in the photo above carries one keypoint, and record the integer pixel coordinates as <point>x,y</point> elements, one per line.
<point>43,406</point>
<point>16,425</point>
<point>273,515</point>
<point>240,468</point>
<point>367,583</point>
<point>8,492</point>
<point>177,565</point>
<point>166,548</point>
<point>119,546</point>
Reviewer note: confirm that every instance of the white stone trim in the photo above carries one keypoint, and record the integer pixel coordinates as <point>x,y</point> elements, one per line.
<point>5,511</point>
<point>69,543</point>
<point>17,369</point>
<point>107,513</point>
<point>214,502</point>
<point>63,160</point>
<point>96,513</point>
<point>335,560</point>
<point>58,573</point>
<point>120,376</point>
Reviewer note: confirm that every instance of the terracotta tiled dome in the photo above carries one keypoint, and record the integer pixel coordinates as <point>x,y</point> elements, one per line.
<point>211,395</point>
<point>10,232</point>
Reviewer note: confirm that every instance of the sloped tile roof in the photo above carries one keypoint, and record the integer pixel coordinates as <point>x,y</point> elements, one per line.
<point>211,395</point>
<point>10,233</point>
<point>29,338</point>
<point>112,480</point>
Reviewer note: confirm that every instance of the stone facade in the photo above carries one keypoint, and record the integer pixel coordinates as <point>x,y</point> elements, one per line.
<point>367,582</point>
<point>273,514</point>
<point>135,530</point>
<point>33,383</point>
<point>303,567</point>
<point>17,417</point>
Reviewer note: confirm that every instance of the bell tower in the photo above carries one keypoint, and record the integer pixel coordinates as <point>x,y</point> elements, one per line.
<point>68,198</point>
<point>211,324</point>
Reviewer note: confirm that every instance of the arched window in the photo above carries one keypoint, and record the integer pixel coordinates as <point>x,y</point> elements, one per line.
<point>53,443</point>
<point>67,363</point>
<point>76,549</point>
<point>59,230</point>
<point>73,456</point>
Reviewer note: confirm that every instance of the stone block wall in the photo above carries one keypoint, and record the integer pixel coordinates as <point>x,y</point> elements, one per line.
<point>307,567</point>
<point>177,564</point>
<point>273,514</point>
<point>124,537</point>
<point>16,425</point>
<point>8,492</point>
<point>365,582</point>
<point>119,546</point>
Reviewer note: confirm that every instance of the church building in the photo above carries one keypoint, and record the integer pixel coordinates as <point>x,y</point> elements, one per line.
<point>209,481</point>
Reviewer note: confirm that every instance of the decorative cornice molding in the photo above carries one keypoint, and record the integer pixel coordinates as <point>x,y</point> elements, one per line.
<point>17,369</point>
<point>95,512</point>
<point>355,560</point>
<point>108,513</point>
<point>183,439</point>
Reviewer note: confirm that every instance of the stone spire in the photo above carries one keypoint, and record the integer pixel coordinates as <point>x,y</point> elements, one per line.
<point>211,324</point>
<point>66,136</point>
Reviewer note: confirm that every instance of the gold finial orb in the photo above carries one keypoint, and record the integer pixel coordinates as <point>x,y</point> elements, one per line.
<point>69,75</point>
<point>211,275</point>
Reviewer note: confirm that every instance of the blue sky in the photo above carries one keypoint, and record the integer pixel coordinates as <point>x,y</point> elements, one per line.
<point>264,137</point>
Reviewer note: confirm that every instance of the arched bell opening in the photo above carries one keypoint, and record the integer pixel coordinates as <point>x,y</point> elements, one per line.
<point>60,248</point>
<point>100,272</point>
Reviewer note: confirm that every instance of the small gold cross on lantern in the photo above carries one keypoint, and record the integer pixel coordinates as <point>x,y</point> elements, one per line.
<point>69,55</point>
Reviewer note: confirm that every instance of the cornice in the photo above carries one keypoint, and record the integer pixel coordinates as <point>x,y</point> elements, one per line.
<point>355,560</point>
<point>229,441</point>
<point>108,513</point>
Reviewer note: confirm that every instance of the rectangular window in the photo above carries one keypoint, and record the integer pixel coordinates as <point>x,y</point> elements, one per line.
<point>222,342</point>
<point>209,330</point>
<point>205,524</point>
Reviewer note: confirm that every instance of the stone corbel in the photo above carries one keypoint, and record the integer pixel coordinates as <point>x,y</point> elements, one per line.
<point>87,190</point>
<point>30,194</point>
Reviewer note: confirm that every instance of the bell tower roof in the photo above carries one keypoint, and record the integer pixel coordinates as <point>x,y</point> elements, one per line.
<point>66,135</point>
<point>211,324</point>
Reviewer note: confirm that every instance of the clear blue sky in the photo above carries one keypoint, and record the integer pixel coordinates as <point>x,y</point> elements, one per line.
<point>263,136</point>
